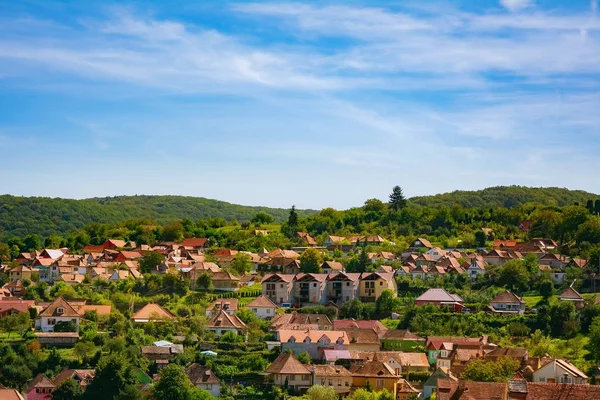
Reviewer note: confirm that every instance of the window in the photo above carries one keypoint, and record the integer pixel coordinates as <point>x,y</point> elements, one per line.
<point>314,285</point>
<point>254,310</point>
<point>292,378</point>
<point>304,377</point>
<point>339,381</point>
<point>347,283</point>
<point>379,383</point>
<point>268,311</point>
<point>60,310</point>
<point>37,390</point>
<point>209,386</point>
<point>380,283</point>
<point>281,286</point>
<point>51,321</point>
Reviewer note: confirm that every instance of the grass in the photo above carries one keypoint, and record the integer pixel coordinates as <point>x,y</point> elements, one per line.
<point>66,353</point>
<point>531,301</point>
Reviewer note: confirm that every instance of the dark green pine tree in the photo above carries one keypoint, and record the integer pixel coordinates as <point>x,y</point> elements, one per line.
<point>397,199</point>
<point>597,207</point>
<point>590,206</point>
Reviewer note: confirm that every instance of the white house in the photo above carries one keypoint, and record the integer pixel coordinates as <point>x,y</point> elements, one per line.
<point>223,322</point>
<point>435,253</point>
<point>203,378</point>
<point>559,371</point>
<point>310,289</point>
<point>476,268</point>
<point>58,311</point>
<point>278,288</point>
<point>312,341</point>
<point>508,303</point>
<point>262,307</point>
<point>342,287</point>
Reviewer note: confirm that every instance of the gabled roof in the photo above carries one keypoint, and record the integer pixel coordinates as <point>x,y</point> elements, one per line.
<point>362,336</point>
<point>333,265</point>
<point>261,302</point>
<point>194,242</point>
<point>77,374</point>
<point>40,381</point>
<point>223,320</point>
<point>329,370</point>
<point>425,242</point>
<point>200,374</point>
<point>285,363</point>
<point>287,278</point>
<point>345,324</point>
<point>467,390</point>
<point>116,242</point>
<point>223,304</point>
<point>377,369</point>
<point>507,297</point>
<point>153,311</point>
<point>571,294</point>
<point>560,391</point>
<point>401,334</point>
<point>567,366</point>
<point>59,302</point>
<point>224,276</point>
<point>313,335</point>
<point>438,294</point>
<point>10,394</point>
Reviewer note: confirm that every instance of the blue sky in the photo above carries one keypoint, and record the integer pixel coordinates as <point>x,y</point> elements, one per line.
<point>315,104</point>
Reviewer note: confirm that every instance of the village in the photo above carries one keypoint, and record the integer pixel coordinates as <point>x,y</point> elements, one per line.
<point>307,346</point>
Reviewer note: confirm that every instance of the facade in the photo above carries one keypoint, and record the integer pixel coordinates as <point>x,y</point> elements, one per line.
<point>379,375</point>
<point>152,312</point>
<point>262,307</point>
<point>287,371</point>
<point>342,287</point>
<point>440,297</point>
<point>58,311</point>
<point>373,284</point>
<point>559,371</point>
<point>278,288</point>
<point>508,303</point>
<point>40,388</point>
<point>222,322</point>
<point>335,376</point>
<point>203,378</point>
<point>572,295</point>
<point>312,341</point>
<point>310,289</point>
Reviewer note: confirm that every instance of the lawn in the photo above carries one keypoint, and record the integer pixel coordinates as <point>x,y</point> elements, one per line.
<point>531,301</point>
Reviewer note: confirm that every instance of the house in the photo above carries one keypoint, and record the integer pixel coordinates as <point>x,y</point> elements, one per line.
<point>342,287</point>
<point>438,347</point>
<point>161,353</point>
<point>346,324</point>
<point>58,311</point>
<point>333,240</point>
<point>203,378</point>
<point>507,303</point>
<point>278,288</point>
<point>112,244</point>
<point>11,306</point>
<point>557,391</point>
<point>503,244</point>
<point>9,394</point>
<point>559,371</point>
<point>15,287</point>
<point>152,312</point>
<point>554,261</point>
<point>373,284</point>
<point>430,385</point>
<point>455,390</point>
<point>440,297</point>
<point>40,388</point>
<point>476,268</point>
<point>123,256</point>
<point>230,306</point>
<point>262,307</point>
<point>82,376</point>
<point>287,371</point>
<point>301,321</point>
<point>571,294</point>
<point>379,375</point>
<point>362,339</point>
<point>312,341</point>
<point>335,376</point>
<point>435,253</point>
<point>525,226</point>
<point>329,267</point>
<point>19,272</point>
<point>518,354</point>
<point>222,322</point>
<point>292,268</point>
<point>306,239</point>
<point>195,243</point>
<point>225,281</point>
<point>420,243</point>
<point>577,263</point>
<point>402,340</point>
<point>310,289</point>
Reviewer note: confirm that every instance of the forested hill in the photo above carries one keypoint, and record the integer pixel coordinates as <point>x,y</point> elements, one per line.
<point>506,196</point>
<point>42,215</point>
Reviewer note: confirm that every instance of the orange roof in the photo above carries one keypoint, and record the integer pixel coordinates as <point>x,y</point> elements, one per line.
<point>53,308</point>
<point>313,335</point>
<point>100,309</point>
<point>194,242</point>
<point>224,320</point>
<point>261,302</point>
<point>152,311</point>
<point>285,363</point>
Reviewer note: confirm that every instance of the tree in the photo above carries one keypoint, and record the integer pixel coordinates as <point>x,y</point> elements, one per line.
<point>150,260</point>
<point>4,252</point>
<point>304,358</point>
<point>397,199</point>
<point>31,242</point>
<point>115,379</point>
<point>589,205</point>
<point>385,303</point>
<point>480,370</point>
<point>241,263</point>
<point>293,218</point>
<point>173,232</point>
<point>205,282</point>
<point>83,350</point>
<point>597,207</point>
<point>17,322</point>
<point>173,384</point>
<point>594,342</point>
<point>310,261</point>
<point>546,287</point>
<point>262,218</point>
<point>514,276</point>
<point>318,392</point>
<point>363,261</point>
<point>67,390</point>
<point>65,326</point>
<point>53,241</point>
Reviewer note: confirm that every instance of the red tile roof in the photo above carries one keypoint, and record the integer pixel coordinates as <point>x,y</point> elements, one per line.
<point>285,363</point>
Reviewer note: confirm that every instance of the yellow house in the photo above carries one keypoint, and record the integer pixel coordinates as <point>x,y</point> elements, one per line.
<point>374,283</point>
<point>20,272</point>
<point>379,375</point>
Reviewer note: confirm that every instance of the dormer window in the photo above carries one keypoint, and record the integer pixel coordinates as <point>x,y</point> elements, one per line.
<point>60,310</point>
<point>307,340</point>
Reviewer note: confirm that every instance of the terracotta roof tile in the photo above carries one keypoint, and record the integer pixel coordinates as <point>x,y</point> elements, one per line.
<point>285,363</point>
<point>261,302</point>
<point>154,312</point>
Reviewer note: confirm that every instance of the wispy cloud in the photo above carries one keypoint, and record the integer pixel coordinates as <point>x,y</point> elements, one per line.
<point>516,5</point>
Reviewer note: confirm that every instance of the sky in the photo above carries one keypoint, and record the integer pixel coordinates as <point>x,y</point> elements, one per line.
<point>316,103</point>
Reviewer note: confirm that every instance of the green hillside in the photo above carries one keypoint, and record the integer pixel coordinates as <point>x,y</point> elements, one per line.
<point>506,196</point>
<point>42,215</point>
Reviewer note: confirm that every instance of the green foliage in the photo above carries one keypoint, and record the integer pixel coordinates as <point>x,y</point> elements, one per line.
<point>310,261</point>
<point>397,199</point>
<point>150,260</point>
<point>70,389</point>
<point>65,326</point>
<point>114,378</point>
<point>204,282</point>
<point>318,392</point>
<point>385,303</point>
<point>487,371</point>
<point>514,276</point>
<point>173,384</point>
<point>241,264</point>
<point>594,343</point>
<point>304,358</point>
<point>262,218</point>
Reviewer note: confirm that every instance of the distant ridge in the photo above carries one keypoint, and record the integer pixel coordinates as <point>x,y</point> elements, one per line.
<point>506,196</point>
<point>20,216</point>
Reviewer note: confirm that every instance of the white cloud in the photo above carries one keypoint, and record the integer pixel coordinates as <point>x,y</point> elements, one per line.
<point>516,5</point>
